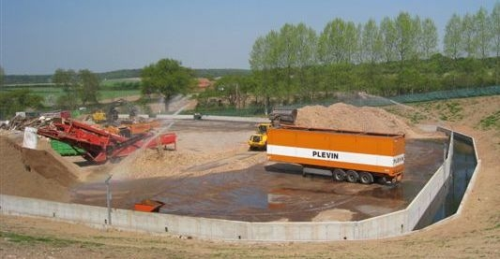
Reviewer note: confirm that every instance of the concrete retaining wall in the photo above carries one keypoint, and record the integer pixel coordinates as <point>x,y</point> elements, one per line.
<point>388,225</point>
<point>424,198</point>
<point>472,181</point>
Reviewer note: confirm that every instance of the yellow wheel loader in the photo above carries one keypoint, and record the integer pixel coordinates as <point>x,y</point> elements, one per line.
<point>258,141</point>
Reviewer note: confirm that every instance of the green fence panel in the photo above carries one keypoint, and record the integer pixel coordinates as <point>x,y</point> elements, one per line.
<point>358,99</point>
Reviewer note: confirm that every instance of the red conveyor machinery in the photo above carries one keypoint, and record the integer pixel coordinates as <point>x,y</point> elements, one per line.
<point>101,145</point>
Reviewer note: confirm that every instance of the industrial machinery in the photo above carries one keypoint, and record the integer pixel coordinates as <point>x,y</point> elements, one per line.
<point>342,155</point>
<point>109,114</point>
<point>99,144</point>
<point>129,128</point>
<point>283,116</point>
<point>278,116</point>
<point>259,139</point>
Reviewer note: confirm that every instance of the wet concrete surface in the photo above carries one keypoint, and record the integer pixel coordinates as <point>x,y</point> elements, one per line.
<point>271,191</point>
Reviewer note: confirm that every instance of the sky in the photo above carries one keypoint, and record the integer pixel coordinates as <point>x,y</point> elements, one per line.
<point>38,37</point>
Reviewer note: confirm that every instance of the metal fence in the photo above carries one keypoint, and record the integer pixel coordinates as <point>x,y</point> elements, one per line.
<point>354,98</point>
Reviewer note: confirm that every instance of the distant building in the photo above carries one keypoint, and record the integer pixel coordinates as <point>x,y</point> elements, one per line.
<point>204,83</point>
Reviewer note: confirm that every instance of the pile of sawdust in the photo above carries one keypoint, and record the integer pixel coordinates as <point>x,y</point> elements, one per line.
<point>160,163</point>
<point>30,173</point>
<point>193,149</point>
<point>152,163</point>
<point>346,117</point>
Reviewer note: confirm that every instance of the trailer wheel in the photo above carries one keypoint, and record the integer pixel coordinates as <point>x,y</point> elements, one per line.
<point>352,176</point>
<point>338,175</point>
<point>366,178</point>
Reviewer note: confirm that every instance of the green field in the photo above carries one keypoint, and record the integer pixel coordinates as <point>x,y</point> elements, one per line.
<point>55,92</point>
<point>110,89</point>
<point>117,82</point>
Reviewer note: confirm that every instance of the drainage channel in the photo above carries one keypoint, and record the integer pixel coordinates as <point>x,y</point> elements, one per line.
<point>447,201</point>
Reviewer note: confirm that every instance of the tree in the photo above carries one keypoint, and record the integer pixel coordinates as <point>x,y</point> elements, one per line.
<point>235,89</point>
<point>453,37</point>
<point>168,78</point>
<point>470,40</point>
<point>259,68</point>
<point>371,43</point>
<point>372,52</point>
<point>306,59</point>
<point>483,32</point>
<point>428,39</point>
<point>18,100</point>
<point>351,42</point>
<point>389,38</point>
<point>265,64</point>
<point>89,86</point>
<point>406,36</point>
<point>483,40</point>
<point>453,43</point>
<point>337,51</point>
<point>65,78</point>
<point>68,81</point>
<point>2,75</point>
<point>296,51</point>
<point>338,42</point>
<point>495,30</point>
<point>287,48</point>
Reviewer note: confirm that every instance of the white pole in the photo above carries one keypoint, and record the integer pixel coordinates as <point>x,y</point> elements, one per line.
<point>108,197</point>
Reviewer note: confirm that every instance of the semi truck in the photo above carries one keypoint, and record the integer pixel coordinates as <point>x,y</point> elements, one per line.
<point>343,155</point>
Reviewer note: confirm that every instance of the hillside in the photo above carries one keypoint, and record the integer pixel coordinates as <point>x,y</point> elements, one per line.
<point>119,74</point>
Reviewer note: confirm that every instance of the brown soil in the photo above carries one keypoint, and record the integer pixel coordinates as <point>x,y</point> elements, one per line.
<point>476,233</point>
<point>34,173</point>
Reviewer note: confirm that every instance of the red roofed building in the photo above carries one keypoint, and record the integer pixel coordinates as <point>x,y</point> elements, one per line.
<point>204,83</point>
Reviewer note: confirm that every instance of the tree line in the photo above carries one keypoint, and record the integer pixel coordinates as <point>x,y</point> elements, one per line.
<point>395,56</point>
<point>78,87</point>
<point>9,79</point>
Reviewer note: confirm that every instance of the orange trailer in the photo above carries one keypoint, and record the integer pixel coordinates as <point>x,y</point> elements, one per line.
<point>343,155</point>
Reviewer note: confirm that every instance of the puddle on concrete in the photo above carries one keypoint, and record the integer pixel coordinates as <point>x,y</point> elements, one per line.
<point>270,192</point>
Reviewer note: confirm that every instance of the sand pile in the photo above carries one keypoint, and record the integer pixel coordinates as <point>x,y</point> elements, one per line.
<point>342,116</point>
<point>34,173</point>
